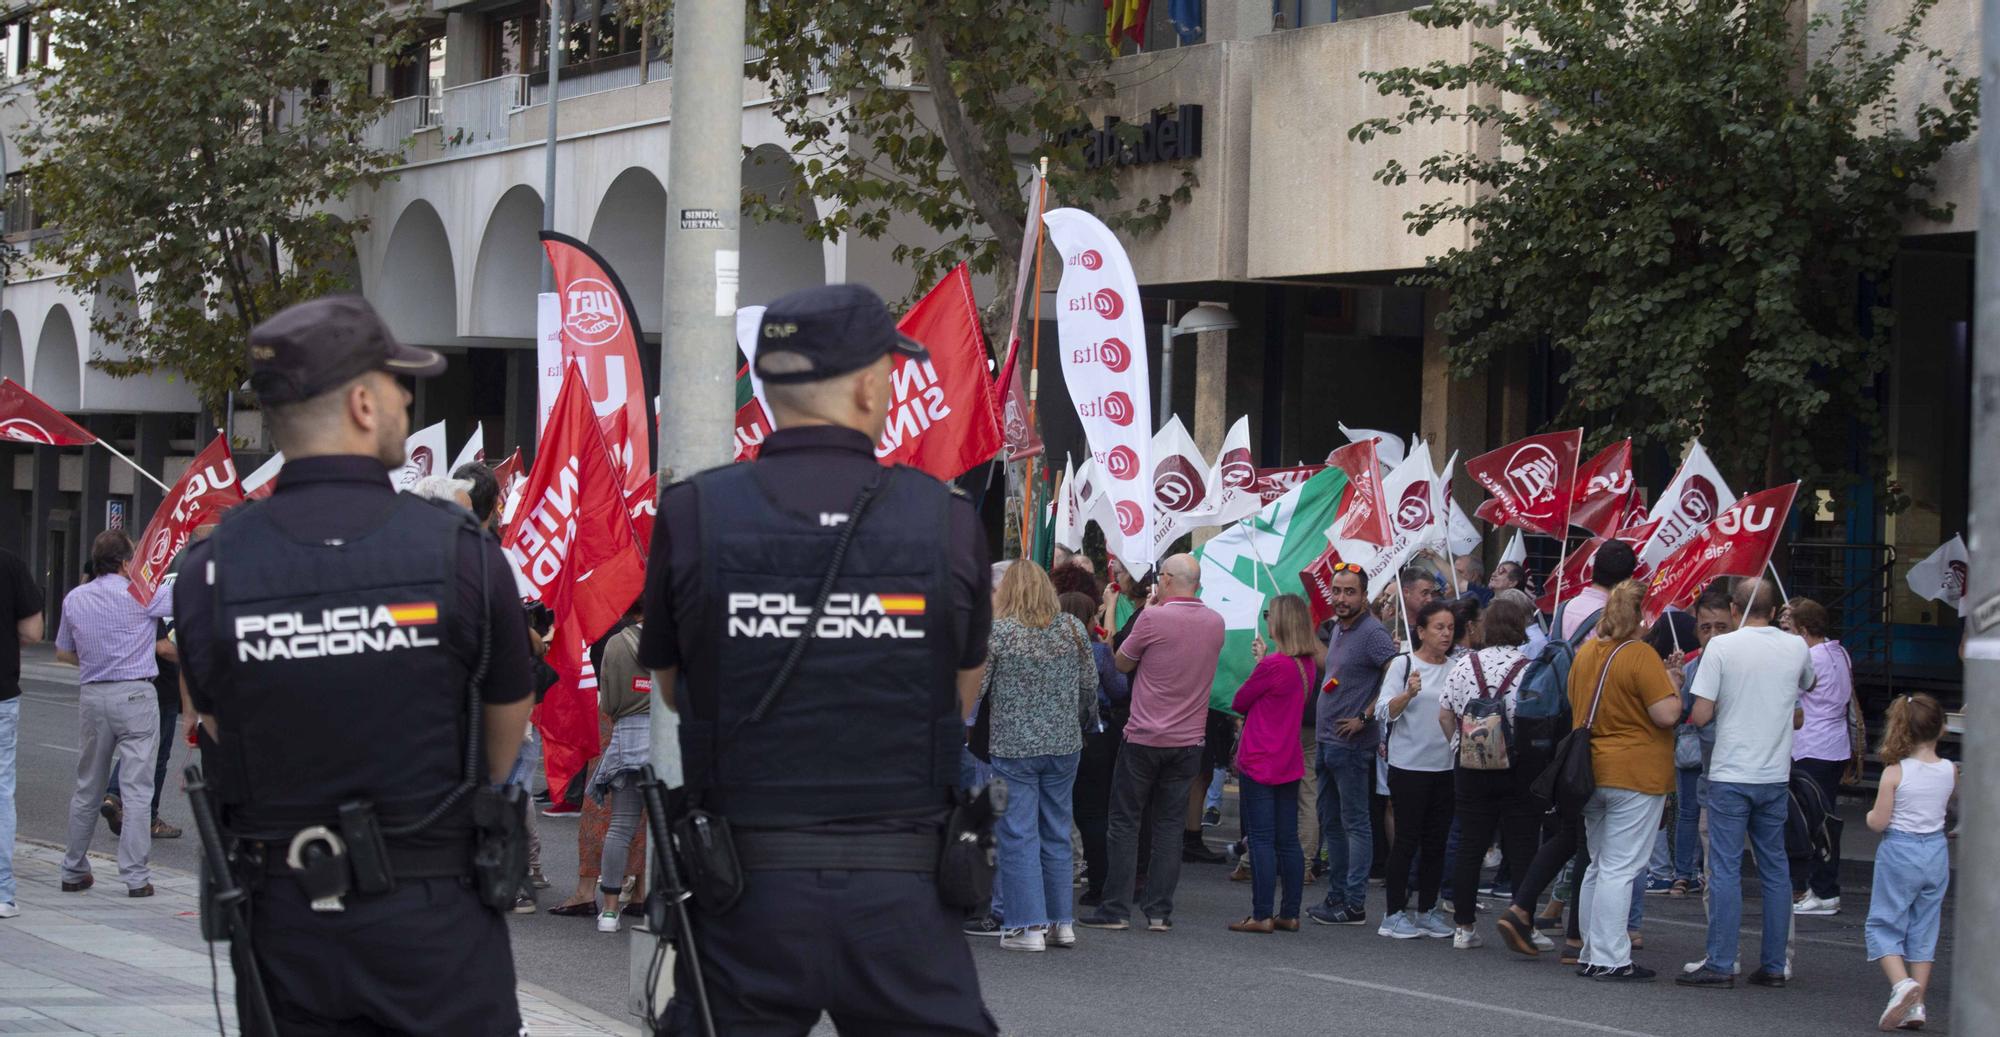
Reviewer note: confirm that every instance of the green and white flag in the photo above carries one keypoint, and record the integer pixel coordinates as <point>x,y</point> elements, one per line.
<point>1287,536</point>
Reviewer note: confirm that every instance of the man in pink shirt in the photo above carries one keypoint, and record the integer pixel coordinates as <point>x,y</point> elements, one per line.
<point>1172,650</point>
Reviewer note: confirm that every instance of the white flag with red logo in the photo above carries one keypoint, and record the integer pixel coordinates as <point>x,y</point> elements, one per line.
<point>1738,543</point>
<point>1235,478</point>
<point>1388,449</point>
<point>27,418</point>
<point>1942,574</point>
<point>1409,492</point>
<point>1580,564</point>
<point>473,452</point>
<point>1185,487</point>
<point>600,331</point>
<point>1530,482</point>
<point>1103,349</point>
<point>204,491</point>
<point>1603,484</point>
<point>1092,503</point>
<point>573,539</point>
<point>423,452</point>
<point>1362,513</point>
<point>1692,500</point>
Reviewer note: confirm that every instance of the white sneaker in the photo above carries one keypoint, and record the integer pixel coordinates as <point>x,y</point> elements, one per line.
<point>1541,940</point>
<point>1024,940</point>
<point>9,911</point>
<point>1902,998</point>
<point>1915,1019</point>
<point>1463,939</point>
<point>1492,858</point>
<point>607,922</point>
<point>1696,966</point>
<point>1062,934</point>
<point>1813,905</point>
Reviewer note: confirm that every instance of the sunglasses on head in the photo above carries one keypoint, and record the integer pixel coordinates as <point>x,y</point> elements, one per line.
<point>1348,567</point>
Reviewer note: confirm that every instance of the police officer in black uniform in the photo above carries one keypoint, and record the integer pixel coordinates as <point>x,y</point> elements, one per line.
<point>838,795</point>
<point>330,638</point>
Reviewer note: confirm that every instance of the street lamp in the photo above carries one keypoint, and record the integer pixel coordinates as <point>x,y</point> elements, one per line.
<point>1203,318</point>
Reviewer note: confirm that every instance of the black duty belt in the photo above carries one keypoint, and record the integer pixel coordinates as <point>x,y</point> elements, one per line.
<point>405,862</point>
<point>873,851</point>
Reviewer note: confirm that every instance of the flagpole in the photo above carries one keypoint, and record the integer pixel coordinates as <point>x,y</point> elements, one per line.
<point>1570,496</point>
<point>135,466</point>
<point>1771,568</point>
<point>1035,333</point>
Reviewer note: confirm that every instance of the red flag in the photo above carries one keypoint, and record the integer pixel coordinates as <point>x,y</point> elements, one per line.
<point>1578,565</point>
<point>25,418</point>
<point>941,413</point>
<point>1318,581</point>
<point>1273,483</point>
<point>205,490</point>
<point>572,538</point>
<point>752,425</point>
<point>600,332</point>
<point>1023,440</point>
<point>1530,481</point>
<point>644,506</point>
<point>1362,516</point>
<point>1603,484</point>
<point>1738,543</point>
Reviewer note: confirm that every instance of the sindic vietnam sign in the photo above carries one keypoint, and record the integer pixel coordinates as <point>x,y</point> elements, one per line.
<point>1168,135</point>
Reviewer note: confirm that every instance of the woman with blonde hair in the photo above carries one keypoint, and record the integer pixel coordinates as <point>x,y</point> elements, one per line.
<point>1271,763</point>
<point>1041,688</point>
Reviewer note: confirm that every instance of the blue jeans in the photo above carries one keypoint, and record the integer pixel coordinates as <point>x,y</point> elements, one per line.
<point>1346,777</point>
<point>1271,826</point>
<point>1756,812</point>
<point>1214,800</point>
<point>1033,837</point>
<point>1687,826</point>
<point>1911,872</point>
<point>10,731</point>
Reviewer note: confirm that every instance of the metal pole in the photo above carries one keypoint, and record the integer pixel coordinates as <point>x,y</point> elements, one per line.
<point>549,142</point>
<point>1166,371</point>
<point>1976,1001</point>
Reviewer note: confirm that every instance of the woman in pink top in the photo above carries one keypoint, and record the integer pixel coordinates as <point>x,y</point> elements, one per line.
<point>1270,763</point>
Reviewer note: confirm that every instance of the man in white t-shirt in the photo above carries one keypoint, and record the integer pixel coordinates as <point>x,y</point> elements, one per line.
<point>1748,685</point>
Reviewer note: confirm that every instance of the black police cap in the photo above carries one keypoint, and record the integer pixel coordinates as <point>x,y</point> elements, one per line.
<point>316,347</point>
<point>818,333</point>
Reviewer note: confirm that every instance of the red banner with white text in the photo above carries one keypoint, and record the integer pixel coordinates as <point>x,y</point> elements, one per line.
<point>600,332</point>
<point>1530,482</point>
<point>27,418</point>
<point>1738,543</point>
<point>203,492</point>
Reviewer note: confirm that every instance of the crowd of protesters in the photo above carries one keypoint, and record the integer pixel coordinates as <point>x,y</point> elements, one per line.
<point>1400,741</point>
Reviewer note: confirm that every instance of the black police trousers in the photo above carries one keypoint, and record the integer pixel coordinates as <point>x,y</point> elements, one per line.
<point>876,950</point>
<point>427,958</point>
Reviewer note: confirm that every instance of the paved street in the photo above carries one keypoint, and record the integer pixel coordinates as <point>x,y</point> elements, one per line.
<point>1200,979</point>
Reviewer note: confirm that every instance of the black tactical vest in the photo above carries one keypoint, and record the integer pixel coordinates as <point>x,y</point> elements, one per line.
<point>338,679</point>
<point>868,727</point>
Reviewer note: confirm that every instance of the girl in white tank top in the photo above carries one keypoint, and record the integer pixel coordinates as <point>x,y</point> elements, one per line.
<point>1913,863</point>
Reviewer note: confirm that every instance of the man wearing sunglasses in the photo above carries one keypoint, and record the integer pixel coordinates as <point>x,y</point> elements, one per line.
<point>1358,646</point>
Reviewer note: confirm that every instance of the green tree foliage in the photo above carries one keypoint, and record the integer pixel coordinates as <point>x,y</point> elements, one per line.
<point>1004,80</point>
<point>1687,199</point>
<point>190,153</point>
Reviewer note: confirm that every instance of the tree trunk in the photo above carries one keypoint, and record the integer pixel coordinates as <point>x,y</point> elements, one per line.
<point>996,201</point>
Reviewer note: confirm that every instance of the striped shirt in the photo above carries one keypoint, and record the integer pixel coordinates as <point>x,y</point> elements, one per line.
<point>110,633</point>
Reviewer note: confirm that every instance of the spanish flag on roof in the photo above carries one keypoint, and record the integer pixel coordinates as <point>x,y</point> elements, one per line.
<point>1125,20</point>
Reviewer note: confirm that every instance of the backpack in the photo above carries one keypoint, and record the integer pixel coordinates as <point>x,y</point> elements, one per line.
<point>1541,705</point>
<point>1570,779</point>
<point>1485,735</point>
<point>1807,839</point>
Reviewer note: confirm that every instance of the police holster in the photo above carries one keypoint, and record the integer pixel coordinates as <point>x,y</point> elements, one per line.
<point>500,846</point>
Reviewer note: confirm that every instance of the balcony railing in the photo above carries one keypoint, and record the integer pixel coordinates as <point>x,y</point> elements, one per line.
<point>474,116</point>
<point>404,118</point>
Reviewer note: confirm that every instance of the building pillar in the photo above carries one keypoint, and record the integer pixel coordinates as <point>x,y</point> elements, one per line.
<point>464,48</point>
<point>13,524</point>
<point>1454,409</point>
<point>96,481</point>
<point>45,493</point>
<point>150,450</point>
<point>1211,403</point>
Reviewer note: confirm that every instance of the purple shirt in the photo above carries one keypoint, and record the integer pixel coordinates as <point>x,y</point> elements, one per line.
<point>110,632</point>
<point>1176,643</point>
<point>1824,736</point>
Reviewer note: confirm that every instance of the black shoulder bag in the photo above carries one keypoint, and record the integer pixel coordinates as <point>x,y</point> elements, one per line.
<point>714,872</point>
<point>1571,779</point>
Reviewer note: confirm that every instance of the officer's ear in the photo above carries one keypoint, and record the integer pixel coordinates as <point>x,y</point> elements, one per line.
<point>874,386</point>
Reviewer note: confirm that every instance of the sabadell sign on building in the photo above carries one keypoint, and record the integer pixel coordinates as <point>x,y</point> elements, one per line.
<point>1168,135</point>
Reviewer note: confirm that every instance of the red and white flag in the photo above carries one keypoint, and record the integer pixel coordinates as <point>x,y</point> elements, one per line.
<point>1103,349</point>
<point>941,412</point>
<point>1692,500</point>
<point>1603,485</point>
<point>1274,483</point>
<point>600,332</point>
<point>753,426</point>
<point>204,491</point>
<point>1185,487</point>
<point>1022,439</point>
<point>1739,542</point>
<point>1317,580</point>
<point>423,452</point>
<point>572,539</point>
<point>26,418</point>
<point>1942,575</point>
<point>1235,478</point>
<point>1362,515</point>
<point>1409,493</point>
<point>1531,482</point>
<point>260,483</point>
<point>1580,564</point>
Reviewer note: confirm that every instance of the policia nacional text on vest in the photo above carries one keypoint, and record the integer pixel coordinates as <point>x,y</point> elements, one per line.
<point>319,652</point>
